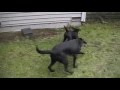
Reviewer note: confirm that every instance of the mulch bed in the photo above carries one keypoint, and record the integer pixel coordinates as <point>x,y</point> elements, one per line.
<point>43,33</point>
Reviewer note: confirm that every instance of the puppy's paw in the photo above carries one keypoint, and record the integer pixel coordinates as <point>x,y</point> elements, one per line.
<point>82,53</point>
<point>75,66</point>
<point>68,71</point>
<point>71,72</point>
<point>52,70</point>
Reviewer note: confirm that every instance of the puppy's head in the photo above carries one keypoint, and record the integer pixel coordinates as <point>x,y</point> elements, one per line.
<point>66,29</point>
<point>71,33</point>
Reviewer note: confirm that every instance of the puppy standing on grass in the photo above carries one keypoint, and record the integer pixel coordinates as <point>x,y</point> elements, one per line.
<point>59,52</point>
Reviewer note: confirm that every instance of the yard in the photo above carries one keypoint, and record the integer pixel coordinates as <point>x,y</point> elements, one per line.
<point>19,59</point>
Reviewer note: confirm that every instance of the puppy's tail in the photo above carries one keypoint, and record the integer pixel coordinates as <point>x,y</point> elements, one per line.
<point>43,52</point>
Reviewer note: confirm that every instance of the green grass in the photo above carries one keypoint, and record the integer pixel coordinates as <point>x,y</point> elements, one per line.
<point>18,58</point>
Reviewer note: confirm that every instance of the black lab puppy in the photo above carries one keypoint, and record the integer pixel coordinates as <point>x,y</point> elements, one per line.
<point>59,52</point>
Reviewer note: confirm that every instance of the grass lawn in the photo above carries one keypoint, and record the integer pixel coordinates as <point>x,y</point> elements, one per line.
<point>19,59</point>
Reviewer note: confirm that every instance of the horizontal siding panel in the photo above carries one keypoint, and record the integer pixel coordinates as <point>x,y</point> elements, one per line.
<point>35,23</point>
<point>18,28</point>
<point>35,13</point>
<point>3,13</point>
<point>26,24</point>
<point>36,20</point>
<point>39,17</point>
<point>46,25</point>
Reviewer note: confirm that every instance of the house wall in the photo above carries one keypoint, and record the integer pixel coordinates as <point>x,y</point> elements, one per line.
<point>15,21</point>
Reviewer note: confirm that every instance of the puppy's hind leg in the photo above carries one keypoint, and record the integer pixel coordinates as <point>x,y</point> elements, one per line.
<point>65,63</point>
<point>53,61</point>
<point>51,64</point>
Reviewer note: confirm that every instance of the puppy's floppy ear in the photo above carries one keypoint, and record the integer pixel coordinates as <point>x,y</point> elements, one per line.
<point>66,29</point>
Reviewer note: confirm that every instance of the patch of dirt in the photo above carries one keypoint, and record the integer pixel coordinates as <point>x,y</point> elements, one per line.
<point>8,36</point>
<point>43,33</point>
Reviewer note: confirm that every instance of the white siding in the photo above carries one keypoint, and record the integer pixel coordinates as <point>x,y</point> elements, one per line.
<point>15,21</point>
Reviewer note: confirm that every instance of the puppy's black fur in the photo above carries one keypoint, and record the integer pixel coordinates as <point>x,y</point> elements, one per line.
<point>71,33</point>
<point>59,52</point>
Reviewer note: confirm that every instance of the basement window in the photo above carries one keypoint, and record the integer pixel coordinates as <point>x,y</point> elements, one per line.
<point>76,19</point>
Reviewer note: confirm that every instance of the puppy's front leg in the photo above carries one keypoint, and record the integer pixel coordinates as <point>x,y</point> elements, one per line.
<point>74,61</point>
<point>65,62</point>
<point>66,69</point>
